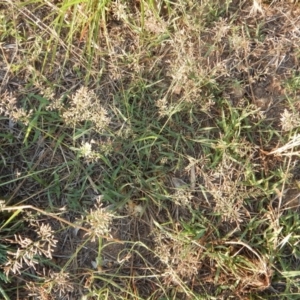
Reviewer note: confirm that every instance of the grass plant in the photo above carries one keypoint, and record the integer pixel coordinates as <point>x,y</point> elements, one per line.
<point>149,149</point>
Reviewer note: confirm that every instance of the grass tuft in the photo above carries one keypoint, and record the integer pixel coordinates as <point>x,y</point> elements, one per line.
<point>149,149</point>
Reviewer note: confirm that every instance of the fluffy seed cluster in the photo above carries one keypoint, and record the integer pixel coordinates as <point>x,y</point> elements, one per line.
<point>85,106</point>
<point>99,220</point>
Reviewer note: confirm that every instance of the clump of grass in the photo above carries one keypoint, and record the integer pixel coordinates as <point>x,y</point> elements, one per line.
<point>151,152</point>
